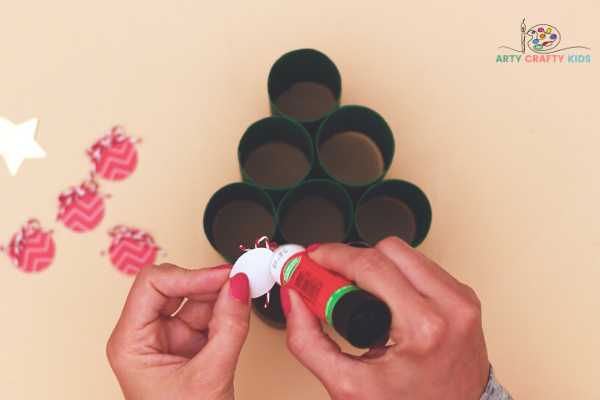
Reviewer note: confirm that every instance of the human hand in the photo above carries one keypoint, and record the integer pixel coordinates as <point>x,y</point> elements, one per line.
<point>438,349</point>
<point>191,354</point>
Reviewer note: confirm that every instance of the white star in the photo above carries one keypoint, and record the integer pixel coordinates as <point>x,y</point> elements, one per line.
<point>17,143</point>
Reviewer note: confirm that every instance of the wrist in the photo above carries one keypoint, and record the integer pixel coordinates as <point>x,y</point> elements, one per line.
<point>493,389</point>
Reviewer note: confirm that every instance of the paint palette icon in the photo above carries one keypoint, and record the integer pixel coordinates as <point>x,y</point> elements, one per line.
<point>543,38</point>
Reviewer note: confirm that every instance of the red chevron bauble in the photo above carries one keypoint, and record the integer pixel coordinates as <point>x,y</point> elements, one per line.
<point>32,248</point>
<point>131,249</point>
<point>114,157</point>
<point>129,256</point>
<point>81,208</point>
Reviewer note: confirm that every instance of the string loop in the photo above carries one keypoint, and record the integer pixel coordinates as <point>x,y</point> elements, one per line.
<point>268,245</point>
<point>114,136</point>
<point>15,246</point>
<point>69,196</point>
<point>120,232</point>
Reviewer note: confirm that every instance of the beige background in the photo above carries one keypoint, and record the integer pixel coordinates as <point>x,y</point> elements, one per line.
<point>509,155</point>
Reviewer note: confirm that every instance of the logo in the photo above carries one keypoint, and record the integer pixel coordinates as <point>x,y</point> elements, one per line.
<point>543,40</point>
<point>290,268</point>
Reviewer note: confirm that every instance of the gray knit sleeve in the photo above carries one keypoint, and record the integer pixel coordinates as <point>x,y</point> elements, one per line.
<point>493,390</point>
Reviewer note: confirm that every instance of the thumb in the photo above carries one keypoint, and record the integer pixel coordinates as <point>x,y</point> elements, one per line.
<point>310,345</point>
<point>229,325</point>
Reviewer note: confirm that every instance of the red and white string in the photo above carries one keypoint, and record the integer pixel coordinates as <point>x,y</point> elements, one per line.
<point>120,232</point>
<point>16,245</point>
<point>69,196</point>
<point>268,245</point>
<point>114,136</point>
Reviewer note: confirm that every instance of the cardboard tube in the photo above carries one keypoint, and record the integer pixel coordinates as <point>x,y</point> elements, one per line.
<point>273,313</point>
<point>355,147</point>
<point>315,211</point>
<point>393,208</point>
<point>275,153</point>
<point>238,214</point>
<point>304,85</point>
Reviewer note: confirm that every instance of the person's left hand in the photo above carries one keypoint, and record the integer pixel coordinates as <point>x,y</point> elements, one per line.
<point>157,354</point>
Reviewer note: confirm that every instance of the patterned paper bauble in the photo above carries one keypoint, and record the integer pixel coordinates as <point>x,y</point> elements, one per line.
<point>131,249</point>
<point>81,208</point>
<point>31,249</point>
<point>114,157</point>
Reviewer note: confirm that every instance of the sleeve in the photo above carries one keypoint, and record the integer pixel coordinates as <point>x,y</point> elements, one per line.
<point>493,390</point>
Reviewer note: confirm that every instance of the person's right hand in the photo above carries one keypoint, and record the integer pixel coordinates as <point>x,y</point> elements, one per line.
<point>439,350</point>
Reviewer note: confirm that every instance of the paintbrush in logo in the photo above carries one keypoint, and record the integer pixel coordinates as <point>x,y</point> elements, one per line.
<point>543,39</point>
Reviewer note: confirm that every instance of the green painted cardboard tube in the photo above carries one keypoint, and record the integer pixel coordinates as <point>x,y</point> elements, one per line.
<point>393,207</point>
<point>304,65</point>
<point>273,314</point>
<point>238,214</point>
<point>275,153</point>
<point>361,120</point>
<point>313,211</point>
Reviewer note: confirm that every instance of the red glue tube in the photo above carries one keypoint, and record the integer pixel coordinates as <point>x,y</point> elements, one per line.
<point>357,315</point>
<point>361,318</point>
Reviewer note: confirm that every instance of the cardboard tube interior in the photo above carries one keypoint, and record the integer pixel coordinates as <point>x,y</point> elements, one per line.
<point>276,164</point>
<point>304,85</point>
<point>275,153</point>
<point>383,216</point>
<point>352,157</point>
<point>306,101</point>
<point>393,207</point>
<point>240,222</point>
<point>313,219</point>
<point>355,146</point>
<point>315,211</point>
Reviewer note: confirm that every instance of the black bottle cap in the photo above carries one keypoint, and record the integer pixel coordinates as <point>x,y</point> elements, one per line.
<point>361,318</point>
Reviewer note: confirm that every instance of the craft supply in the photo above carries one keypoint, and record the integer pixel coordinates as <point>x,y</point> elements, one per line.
<point>131,249</point>
<point>352,157</point>
<point>304,85</point>
<point>17,143</point>
<point>234,214</point>
<point>31,249</point>
<point>81,208</point>
<point>114,156</point>
<point>305,101</point>
<point>275,153</point>
<point>393,208</point>
<point>355,147</point>
<point>355,314</point>
<point>315,211</point>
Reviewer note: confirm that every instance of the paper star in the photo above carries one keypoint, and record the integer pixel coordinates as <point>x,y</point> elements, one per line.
<point>17,143</point>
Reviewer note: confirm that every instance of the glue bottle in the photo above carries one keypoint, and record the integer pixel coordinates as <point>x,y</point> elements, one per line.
<point>358,316</point>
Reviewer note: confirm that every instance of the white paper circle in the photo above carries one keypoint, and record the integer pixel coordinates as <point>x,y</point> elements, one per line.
<point>255,264</point>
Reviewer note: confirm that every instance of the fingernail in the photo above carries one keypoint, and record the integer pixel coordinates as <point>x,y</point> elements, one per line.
<point>240,287</point>
<point>313,247</point>
<point>222,266</point>
<point>285,301</point>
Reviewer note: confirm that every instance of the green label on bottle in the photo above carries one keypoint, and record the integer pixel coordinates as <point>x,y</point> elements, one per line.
<point>289,269</point>
<point>333,299</point>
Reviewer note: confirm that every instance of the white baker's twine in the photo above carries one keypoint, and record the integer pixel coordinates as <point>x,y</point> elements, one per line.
<point>113,136</point>
<point>120,232</point>
<point>16,245</point>
<point>66,198</point>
